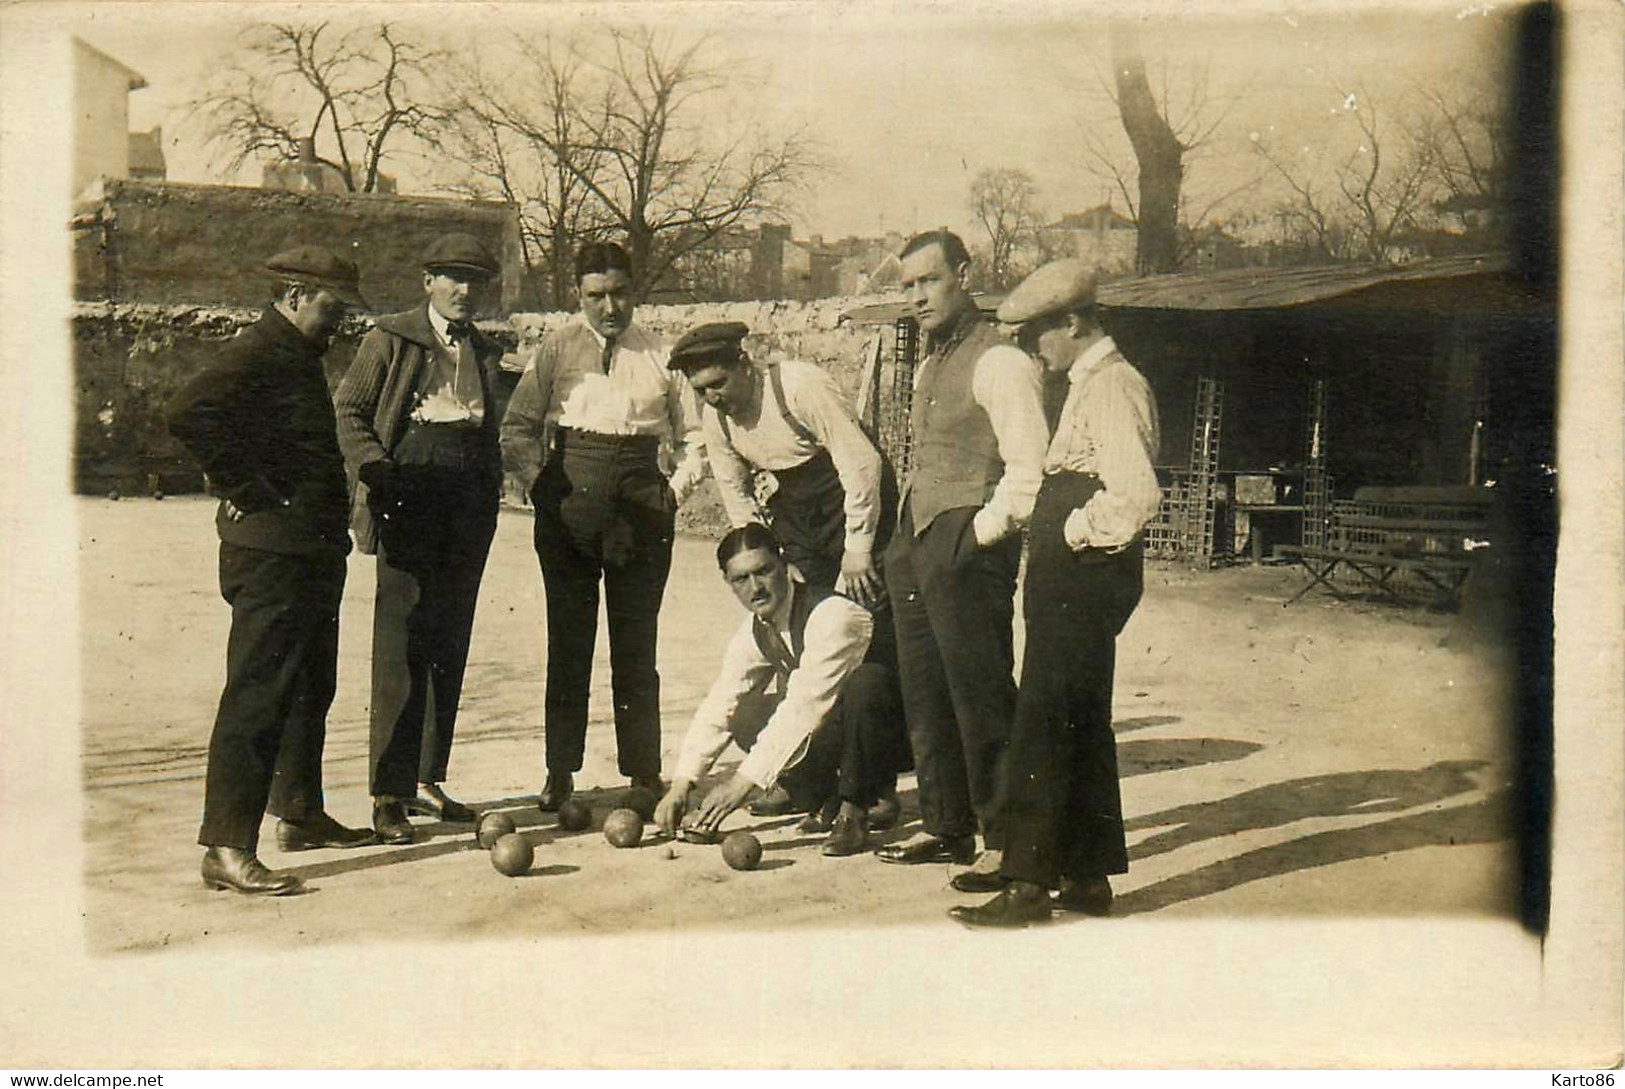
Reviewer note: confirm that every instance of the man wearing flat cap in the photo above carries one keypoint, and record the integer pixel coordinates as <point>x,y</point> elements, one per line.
<point>1061,807</point>
<point>260,422</point>
<point>418,427</point>
<point>977,420</point>
<point>785,429</point>
<point>584,432</point>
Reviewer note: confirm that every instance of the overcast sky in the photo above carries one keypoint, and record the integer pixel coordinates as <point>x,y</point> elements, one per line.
<point>910,101</point>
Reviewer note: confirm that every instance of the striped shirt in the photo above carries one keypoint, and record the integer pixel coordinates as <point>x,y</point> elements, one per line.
<point>1108,427</point>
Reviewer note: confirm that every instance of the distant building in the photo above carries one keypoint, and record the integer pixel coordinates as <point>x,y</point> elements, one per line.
<point>307,174</point>
<point>147,155</point>
<point>1099,235</point>
<point>101,103</point>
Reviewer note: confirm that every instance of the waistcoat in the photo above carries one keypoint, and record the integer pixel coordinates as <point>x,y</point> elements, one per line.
<point>954,461</point>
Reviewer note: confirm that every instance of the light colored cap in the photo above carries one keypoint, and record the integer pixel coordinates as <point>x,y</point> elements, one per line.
<point>1059,287</point>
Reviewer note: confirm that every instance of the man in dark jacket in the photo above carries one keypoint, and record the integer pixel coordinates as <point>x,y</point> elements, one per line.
<point>418,426</point>
<point>261,424</point>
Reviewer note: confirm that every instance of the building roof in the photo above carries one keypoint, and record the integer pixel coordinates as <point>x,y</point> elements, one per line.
<point>137,80</point>
<point>1242,289</point>
<point>1268,289</point>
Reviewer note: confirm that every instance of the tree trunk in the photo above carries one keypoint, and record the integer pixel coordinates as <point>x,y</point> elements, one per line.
<point>1157,150</point>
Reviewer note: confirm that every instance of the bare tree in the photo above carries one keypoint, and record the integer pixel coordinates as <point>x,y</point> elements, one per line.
<point>1469,139</point>
<point>1004,201</point>
<point>632,141</point>
<point>519,141</point>
<point>673,178</point>
<point>353,95</point>
<point>1168,129</point>
<point>1382,188</point>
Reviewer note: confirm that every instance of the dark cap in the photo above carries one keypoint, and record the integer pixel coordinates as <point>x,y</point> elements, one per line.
<point>459,250</point>
<point>1059,287</point>
<point>319,267</point>
<point>713,342</point>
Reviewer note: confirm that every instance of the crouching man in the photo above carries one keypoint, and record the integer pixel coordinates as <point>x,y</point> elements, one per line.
<point>797,694</point>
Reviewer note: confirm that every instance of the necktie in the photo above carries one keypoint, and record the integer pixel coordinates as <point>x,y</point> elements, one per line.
<point>457,330</point>
<point>468,388</point>
<point>608,354</point>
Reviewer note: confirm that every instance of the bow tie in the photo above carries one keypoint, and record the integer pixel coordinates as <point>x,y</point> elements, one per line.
<point>457,330</point>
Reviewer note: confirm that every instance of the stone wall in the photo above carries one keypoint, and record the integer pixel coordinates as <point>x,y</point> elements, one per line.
<point>130,358</point>
<point>810,331</point>
<point>167,243</point>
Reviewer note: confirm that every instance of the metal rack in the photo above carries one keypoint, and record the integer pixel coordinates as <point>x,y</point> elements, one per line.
<point>896,436</point>
<point>1317,485</point>
<point>1200,501</point>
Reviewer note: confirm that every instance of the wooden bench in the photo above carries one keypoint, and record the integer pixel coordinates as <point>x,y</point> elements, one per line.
<point>1429,533</point>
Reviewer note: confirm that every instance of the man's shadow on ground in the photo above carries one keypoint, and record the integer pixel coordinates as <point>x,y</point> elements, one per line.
<point>1343,794</point>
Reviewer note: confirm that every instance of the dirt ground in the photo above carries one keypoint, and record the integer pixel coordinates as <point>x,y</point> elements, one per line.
<point>1331,758</point>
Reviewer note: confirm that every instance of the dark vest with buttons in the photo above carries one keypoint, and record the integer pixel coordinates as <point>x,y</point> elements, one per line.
<point>954,460</point>
<point>803,599</point>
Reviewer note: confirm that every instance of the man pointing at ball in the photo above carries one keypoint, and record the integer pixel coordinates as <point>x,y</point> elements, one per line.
<point>796,693</point>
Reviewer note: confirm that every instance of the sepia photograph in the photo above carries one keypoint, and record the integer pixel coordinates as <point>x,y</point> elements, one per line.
<point>814,535</point>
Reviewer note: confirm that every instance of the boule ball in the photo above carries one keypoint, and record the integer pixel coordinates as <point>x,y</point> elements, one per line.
<point>623,828</point>
<point>512,854</point>
<point>575,815</point>
<point>742,851</point>
<point>642,802</point>
<point>493,826</point>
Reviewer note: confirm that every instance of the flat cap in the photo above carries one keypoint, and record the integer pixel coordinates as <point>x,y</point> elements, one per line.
<point>319,267</point>
<point>459,250</point>
<point>715,341</point>
<point>1059,287</point>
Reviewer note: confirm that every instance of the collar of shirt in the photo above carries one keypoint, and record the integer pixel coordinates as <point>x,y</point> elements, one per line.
<point>781,619</point>
<point>439,322</point>
<point>1091,358</point>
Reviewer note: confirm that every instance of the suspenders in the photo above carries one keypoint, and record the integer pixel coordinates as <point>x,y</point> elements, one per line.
<point>777,382</point>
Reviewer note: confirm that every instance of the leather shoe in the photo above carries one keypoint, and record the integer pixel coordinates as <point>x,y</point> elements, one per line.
<point>556,791</point>
<point>1092,896</point>
<point>237,869</point>
<point>959,850</point>
<point>885,813</point>
<point>1022,903</point>
<point>775,803</point>
<point>651,783</point>
<point>821,819</point>
<point>320,831</point>
<point>389,820</point>
<point>973,881</point>
<point>432,801</point>
<point>849,836</point>
<point>983,876</point>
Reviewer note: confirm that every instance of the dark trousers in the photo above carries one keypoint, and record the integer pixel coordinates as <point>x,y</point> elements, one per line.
<point>281,665</point>
<point>953,605</point>
<point>855,753</point>
<point>604,514</point>
<point>431,558</point>
<point>1062,809</point>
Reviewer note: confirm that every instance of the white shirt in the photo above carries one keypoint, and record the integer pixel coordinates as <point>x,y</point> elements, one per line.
<point>1108,427</point>
<point>834,644</point>
<point>638,396</point>
<point>768,442</point>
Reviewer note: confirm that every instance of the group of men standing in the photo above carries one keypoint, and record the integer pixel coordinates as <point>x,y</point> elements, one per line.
<point>879,627</point>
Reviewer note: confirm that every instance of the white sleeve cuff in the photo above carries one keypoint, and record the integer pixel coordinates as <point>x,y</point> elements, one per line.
<point>1076,530</point>
<point>987,526</point>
